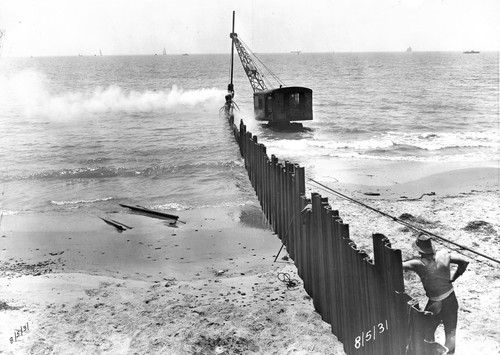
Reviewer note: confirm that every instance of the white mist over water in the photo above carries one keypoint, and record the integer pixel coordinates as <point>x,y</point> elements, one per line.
<point>27,93</point>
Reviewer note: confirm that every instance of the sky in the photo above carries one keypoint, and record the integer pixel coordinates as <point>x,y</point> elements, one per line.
<point>134,27</point>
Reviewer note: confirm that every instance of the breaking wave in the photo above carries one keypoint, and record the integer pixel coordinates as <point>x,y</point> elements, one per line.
<point>80,202</point>
<point>153,171</point>
<point>396,146</point>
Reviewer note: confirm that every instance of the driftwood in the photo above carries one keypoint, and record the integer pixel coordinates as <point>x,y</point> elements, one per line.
<point>118,226</point>
<point>145,210</point>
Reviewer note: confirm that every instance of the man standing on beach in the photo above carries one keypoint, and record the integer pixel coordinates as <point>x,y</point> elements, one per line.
<point>434,272</point>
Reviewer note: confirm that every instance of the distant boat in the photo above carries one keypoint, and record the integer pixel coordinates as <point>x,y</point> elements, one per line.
<point>409,49</point>
<point>295,52</point>
<point>100,53</point>
<point>471,52</point>
<point>185,54</point>
<point>164,51</point>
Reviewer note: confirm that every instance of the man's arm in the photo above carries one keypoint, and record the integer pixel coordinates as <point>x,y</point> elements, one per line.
<point>410,265</point>
<point>462,263</point>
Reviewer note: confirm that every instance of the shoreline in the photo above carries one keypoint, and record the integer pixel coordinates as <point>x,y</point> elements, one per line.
<point>210,286</point>
<point>380,173</point>
<point>446,183</point>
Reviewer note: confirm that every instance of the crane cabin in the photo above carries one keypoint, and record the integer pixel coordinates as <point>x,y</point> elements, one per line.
<point>283,105</point>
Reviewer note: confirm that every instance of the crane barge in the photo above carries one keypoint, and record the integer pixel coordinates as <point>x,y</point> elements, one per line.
<point>280,106</point>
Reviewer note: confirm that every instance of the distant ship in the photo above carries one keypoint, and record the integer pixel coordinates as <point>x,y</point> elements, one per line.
<point>164,51</point>
<point>100,53</point>
<point>471,52</point>
<point>408,49</point>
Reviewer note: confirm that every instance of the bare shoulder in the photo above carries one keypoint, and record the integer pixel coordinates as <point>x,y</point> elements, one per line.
<point>457,258</point>
<point>446,257</point>
<point>443,255</point>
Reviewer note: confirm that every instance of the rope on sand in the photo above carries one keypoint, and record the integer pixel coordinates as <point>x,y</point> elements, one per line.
<point>404,198</point>
<point>290,283</point>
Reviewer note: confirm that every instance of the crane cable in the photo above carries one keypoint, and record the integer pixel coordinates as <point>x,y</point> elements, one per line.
<point>398,220</point>
<point>258,59</point>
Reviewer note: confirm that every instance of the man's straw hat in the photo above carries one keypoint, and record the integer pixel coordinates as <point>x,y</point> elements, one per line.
<point>423,244</point>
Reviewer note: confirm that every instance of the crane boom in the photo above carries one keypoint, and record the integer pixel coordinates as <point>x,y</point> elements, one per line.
<point>253,74</point>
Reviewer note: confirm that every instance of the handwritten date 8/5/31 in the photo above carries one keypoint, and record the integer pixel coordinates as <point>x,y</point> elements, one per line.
<point>371,334</point>
<point>19,332</point>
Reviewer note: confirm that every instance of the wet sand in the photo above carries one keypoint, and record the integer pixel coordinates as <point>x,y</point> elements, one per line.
<point>208,240</point>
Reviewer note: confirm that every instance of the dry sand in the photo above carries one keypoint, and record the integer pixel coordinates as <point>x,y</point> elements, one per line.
<point>210,286</point>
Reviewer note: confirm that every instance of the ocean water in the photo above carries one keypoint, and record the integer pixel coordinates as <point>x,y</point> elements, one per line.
<point>87,133</point>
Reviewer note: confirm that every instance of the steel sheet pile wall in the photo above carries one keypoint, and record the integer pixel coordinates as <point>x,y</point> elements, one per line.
<point>362,299</point>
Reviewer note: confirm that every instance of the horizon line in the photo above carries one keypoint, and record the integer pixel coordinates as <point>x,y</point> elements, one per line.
<point>292,52</point>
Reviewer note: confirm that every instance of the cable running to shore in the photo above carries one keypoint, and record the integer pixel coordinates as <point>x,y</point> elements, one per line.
<point>400,221</point>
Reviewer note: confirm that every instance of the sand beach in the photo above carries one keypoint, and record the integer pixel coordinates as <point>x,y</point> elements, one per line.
<point>210,286</point>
